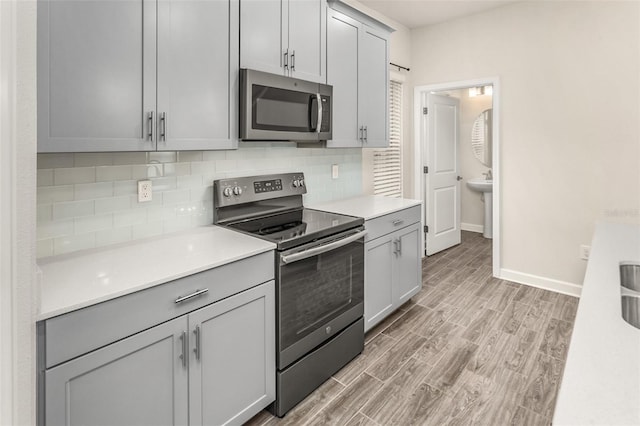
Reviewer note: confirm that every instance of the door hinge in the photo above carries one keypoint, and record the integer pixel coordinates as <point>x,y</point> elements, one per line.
<point>425,110</point>
<point>425,169</point>
<point>426,229</point>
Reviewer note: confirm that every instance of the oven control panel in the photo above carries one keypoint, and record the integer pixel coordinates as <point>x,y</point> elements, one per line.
<point>249,189</point>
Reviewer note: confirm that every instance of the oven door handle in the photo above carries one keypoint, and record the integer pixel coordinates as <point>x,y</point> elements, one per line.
<point>322,249</point>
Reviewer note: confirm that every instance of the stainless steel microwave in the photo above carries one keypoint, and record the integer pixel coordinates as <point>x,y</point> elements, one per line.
<point>279,108</point>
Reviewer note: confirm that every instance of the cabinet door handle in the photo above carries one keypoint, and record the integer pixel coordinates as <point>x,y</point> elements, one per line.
<point>150,125</point>
<point>399,247</point>
<point>192,295</point>
<point>163,126</point>
<point>366,134</point>
<point>197,347</point>
<point>286,59</point>
<point>395,247</point>
<point>183,355</point>
<point>293,60</point>
<point>361,132</point>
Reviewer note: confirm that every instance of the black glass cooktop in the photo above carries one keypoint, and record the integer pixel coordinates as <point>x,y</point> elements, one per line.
<point>296,227</point>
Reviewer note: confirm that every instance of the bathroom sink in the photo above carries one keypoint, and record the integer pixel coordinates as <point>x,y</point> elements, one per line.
<point>485,187</point>
<point>480,185</point>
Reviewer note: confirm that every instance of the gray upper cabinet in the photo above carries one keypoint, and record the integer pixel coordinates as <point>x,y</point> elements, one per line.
<point>357,58</point>
<point>137,75</point>
<point>284,37</point>
<point>96,75</point>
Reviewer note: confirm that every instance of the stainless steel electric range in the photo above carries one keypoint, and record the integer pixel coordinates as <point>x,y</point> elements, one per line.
<point>319,277</point>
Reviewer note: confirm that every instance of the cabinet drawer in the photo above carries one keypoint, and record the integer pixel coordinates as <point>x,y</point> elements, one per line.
<point>73,334</point>
<point>383,225</point>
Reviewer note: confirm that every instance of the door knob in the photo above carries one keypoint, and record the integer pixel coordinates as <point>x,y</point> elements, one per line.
<point>459,178</point>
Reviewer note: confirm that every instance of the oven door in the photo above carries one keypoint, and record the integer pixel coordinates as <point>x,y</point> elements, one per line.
<point>320,292</point>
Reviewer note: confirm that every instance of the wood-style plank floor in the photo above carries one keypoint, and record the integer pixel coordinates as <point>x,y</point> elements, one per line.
<point>469,349</point>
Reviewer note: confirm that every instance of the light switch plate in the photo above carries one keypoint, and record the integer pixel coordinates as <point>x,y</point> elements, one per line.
<point>145,191</point>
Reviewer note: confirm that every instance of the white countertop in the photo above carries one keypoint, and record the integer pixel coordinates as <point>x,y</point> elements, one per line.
<point>81,279</point>
<point>601,381</point>
<point>367,206</point>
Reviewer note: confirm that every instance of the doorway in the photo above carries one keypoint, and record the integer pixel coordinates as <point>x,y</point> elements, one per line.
<point>451,120</point>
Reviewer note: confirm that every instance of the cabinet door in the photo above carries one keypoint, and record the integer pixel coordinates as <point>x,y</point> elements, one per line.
<point>374,87</point>
<point>96,75</point>
<point>197,74</point>
<point>140,380</point>
<point>378,280</point>
<point>342,74</point>
<point>409,267</point>
<point>307,39</point>
<point>263,35</point>
<point>232,367</point>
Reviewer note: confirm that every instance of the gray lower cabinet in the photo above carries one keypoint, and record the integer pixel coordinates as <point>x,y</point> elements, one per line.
<point>213,366</point>
<point>393,272</point>
<point>137,75</point>
<point>357,57</point>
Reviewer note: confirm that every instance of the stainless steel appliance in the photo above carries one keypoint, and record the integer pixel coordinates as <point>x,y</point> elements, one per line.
<point>275,107</point>
<point>319,277</point>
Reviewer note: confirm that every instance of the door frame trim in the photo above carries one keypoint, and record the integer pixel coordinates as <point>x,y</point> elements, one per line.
<point>419,140</point>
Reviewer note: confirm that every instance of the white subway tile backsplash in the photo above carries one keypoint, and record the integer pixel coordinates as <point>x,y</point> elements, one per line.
<point>162,157</point>
<point>189,156</point>
<point>106,205</point>
<point>177,169</point>
<point>87,191</point>
<point>52,229</point>
<point>73,209</point>
<point>127,158</point>
<point>113,236</point>
<point>92,159</point>
<point>129,217</point>
<point>44,212</point>
<point>90,199</point>
<point>44,248</point>
<point>54,161</point>
<point>73,175</point>
<point>87,224</point>
<point>71,243</point>
<point>111,173</point>
<point>176,196</point>
<point>45,177</point>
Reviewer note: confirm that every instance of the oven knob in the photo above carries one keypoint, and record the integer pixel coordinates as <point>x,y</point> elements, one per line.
<point>227,192</point>
<point>301,182</point>
<point>237,190</point>
<point>296,183</point>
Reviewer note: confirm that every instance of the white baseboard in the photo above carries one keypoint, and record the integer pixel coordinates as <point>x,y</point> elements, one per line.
<point>541,282</point>
<point>472,227</point>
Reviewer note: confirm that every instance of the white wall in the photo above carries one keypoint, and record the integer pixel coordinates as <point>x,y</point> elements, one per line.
<point>17,213</point>
<point>570,86</point>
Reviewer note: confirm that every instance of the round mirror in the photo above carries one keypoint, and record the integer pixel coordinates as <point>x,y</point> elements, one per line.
<point>481,134</point>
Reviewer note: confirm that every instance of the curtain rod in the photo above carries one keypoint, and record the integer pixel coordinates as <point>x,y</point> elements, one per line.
<point>399,66</point>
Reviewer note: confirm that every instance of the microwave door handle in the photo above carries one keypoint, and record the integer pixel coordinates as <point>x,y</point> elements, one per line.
<point>313,126</point>
<point>319,125</point>
<point>288,259</point>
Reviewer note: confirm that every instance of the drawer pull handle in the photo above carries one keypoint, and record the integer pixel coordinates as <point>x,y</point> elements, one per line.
<point>192,295</point>
<point>398,222</point>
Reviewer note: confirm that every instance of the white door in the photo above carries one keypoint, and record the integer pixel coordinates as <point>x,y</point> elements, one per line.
<point>442,180</point>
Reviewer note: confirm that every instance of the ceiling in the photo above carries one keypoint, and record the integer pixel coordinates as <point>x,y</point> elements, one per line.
<point>420,13</point>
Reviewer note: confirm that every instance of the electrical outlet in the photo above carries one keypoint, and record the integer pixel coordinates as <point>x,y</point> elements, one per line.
<point>145,191</point>
<point>584,252</point>
<point>335,171</point>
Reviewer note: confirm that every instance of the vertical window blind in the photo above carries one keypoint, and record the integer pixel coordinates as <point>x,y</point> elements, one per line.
<point>387,163</point>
